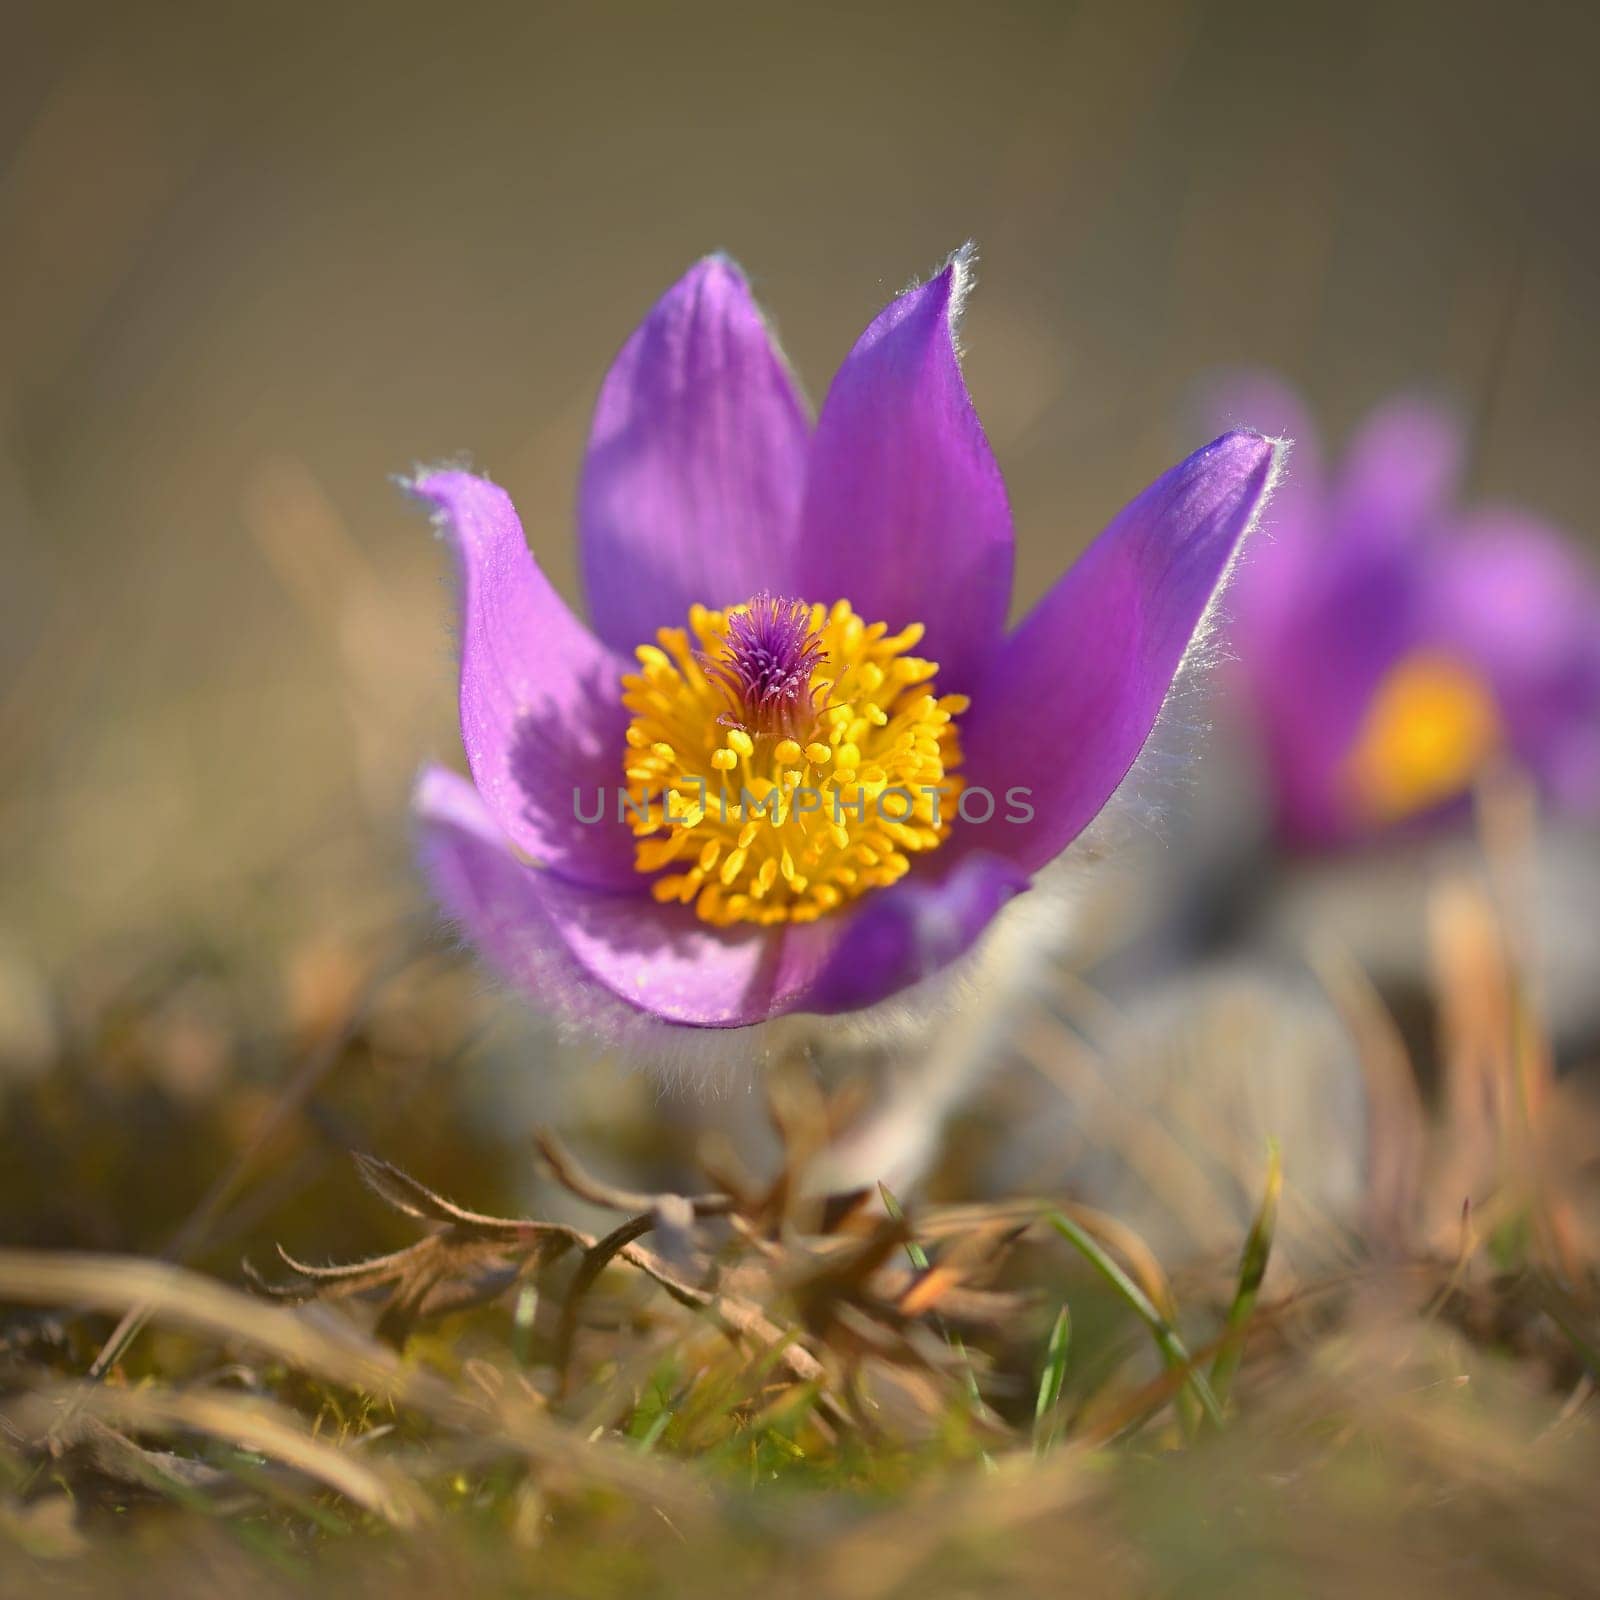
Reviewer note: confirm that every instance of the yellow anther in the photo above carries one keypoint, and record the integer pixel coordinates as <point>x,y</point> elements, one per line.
<point>681,886</point>
<point>1428,730</point>
<point>650,855</point>
<point>798,833</point>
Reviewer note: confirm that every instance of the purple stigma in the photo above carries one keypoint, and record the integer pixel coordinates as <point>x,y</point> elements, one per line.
<point>765,664</point>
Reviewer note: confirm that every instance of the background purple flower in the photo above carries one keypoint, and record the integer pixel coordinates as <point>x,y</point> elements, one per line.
<point>706,484</point>
<point>1392,644</point>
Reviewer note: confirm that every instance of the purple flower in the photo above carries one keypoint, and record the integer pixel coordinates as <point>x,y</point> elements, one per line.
<point>1394,645</point>
<point>797,673</point>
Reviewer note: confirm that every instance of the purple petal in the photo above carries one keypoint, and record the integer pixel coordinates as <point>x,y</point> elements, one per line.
<point>1259,402</point>
<point>1315,659</point>
<point>906,514</point>
<point>1274,570</point>
<point>541,708</point>
<point>1398,474</point>
<point>1072,696</point>
<point>1511,596</point>
<point>578,950</point>
<point>603,960</point>
<point>904,933</point>
<point>691,488</point>
<point>1326,611</point>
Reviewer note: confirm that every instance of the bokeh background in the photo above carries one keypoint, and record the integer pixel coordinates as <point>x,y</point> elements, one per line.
<point>256,260</point>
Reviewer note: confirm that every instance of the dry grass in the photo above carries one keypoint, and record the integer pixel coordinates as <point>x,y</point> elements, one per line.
<point>755,1388</point>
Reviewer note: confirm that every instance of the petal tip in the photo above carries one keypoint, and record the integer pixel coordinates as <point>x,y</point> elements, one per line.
<point>718,264</point>
<point>1245,442</point>
<point>1250,399</point>
<point>433,787</point>
<point>438,486</point>
<point>922,301</point>
<point>716,275</point>
<point>443,799</point>
<point>961,271</point>
<point>1422,411</point>
<point>1281,447</point>
<point>467,508</point>
<point>947,291</point>
<point>1249,455</point>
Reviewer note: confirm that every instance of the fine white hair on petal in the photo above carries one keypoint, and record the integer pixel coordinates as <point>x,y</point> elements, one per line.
<point>1031,922</point>
<point>983,988</point>
<point>1029,932</point>
<point>461,461</point>
<point>963,265</point>
<point>1166,761</point>
<point>587,1015</point>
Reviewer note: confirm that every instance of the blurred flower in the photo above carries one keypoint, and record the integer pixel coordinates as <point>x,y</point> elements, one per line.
<point>1394,645</point>
<point>772,581</point>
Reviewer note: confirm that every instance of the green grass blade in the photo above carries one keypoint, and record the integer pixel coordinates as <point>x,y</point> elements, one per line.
<point>919,1256</point>
<point>1252,1269</point>
<point>919,1259</point>
<point>1171,1346</point>
<point>648,1440</point>
<point>522,1321</point>
<point>1051,1380</point>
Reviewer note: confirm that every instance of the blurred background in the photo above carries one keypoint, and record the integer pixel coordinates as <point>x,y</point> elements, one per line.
<point>256,260</point>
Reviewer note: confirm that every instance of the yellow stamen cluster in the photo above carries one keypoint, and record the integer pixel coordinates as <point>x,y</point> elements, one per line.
<point>1430,727</point>
<point>789,823</point>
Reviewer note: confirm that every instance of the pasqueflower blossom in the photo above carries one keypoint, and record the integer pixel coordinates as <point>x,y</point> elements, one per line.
<point>795,762</point>
<point>1395,645</point>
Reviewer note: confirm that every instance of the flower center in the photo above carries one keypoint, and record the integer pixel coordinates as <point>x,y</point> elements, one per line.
<point>1427,732</point>
<point>784,757</point>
